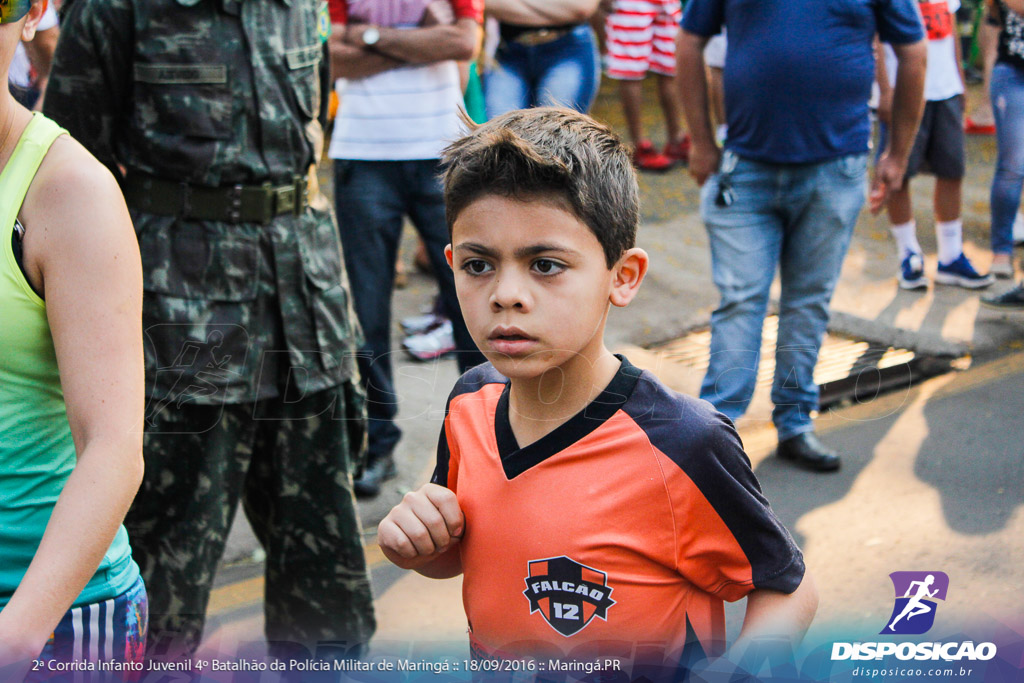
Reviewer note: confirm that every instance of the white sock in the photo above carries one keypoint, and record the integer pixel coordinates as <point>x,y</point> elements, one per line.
<point>950,235</point>
<point>905,235</point>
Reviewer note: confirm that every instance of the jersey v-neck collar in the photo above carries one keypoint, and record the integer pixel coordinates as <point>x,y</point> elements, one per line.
<point>516,460</point>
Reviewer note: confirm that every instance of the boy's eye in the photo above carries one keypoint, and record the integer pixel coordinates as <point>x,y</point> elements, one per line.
<point>476,266</point>
<point>547,266</point>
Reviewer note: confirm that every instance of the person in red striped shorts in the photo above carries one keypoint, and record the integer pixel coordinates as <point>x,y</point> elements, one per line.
<point>641,37</point>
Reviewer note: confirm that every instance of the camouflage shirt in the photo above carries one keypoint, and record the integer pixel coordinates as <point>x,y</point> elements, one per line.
<point>216,93</point>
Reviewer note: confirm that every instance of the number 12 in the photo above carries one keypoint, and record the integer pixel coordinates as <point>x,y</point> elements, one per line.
<point>563,611</point>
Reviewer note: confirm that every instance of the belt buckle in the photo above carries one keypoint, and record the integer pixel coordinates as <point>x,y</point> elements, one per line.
<point>538,37</point>
<point>285,199</point>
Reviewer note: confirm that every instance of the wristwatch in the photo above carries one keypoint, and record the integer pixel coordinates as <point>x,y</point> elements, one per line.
<point>371,36</point>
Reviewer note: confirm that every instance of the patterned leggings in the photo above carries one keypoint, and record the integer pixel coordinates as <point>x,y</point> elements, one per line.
<point>110,631</point>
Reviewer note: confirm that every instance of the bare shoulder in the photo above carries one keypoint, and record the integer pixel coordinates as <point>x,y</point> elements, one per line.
<point>74,197</point>
<point>74,215</point>
<point>71,178</point>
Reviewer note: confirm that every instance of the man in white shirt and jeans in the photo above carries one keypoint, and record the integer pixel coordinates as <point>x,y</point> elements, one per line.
<point>400,96</point>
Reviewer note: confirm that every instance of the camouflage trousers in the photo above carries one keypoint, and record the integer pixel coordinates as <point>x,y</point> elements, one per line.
<point>290,465</point>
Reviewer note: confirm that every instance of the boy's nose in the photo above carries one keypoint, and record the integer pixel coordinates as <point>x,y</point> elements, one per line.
<point>509,292</point>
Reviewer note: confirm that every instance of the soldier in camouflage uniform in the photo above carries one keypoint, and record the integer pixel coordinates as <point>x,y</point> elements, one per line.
<point>205,110</point>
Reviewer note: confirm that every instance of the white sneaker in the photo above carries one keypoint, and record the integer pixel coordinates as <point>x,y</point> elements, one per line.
<point>911,274</point>
<point>418,324</point>
<point>1018,229</point>
<point>433,344</point>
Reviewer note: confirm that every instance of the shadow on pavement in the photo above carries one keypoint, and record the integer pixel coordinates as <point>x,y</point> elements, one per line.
<point>793,492</point>
<point>978,466</point>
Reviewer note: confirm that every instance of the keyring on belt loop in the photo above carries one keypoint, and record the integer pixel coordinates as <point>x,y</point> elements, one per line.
<point>729,160</point>
<point>726,196</point>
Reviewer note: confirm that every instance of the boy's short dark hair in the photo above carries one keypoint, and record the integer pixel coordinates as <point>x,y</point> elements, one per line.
<point>549,152</point>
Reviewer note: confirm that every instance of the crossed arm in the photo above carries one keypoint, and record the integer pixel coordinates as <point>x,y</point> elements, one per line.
<point>352,58</point>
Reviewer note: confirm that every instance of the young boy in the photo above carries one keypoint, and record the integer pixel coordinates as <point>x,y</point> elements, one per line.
<point>938,149</point>
<point>582,499</point>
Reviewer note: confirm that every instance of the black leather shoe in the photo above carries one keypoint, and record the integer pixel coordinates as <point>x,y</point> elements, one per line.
<point>807,452</point>
<point>377,471</point>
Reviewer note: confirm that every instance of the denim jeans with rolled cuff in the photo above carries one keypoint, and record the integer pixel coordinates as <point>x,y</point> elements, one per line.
<point>565,72</point>
<point>795,217</point>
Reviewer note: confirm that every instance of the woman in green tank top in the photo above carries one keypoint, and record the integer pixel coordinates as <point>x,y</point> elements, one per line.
<point>71,390</point>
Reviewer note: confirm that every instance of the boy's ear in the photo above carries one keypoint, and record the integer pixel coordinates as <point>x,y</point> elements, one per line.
<point>448,255</point>
<point>627,275</point>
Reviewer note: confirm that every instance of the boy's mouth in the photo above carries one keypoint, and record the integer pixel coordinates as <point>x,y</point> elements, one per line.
<point>509,334</point>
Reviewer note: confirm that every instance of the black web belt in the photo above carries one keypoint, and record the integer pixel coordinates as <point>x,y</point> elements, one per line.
<point>227,204</point>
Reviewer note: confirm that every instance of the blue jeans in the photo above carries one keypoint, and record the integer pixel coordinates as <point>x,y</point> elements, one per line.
<point>372,198</point>
<point>565,72</point>
<point>1007,91</point>
<point>798,217</point>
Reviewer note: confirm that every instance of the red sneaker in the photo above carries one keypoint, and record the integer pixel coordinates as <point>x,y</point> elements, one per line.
<point>972,128</point>
<point>678,151</point>
<point>646,158</point>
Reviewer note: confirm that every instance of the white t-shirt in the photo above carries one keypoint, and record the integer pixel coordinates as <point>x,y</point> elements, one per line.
<point>714,51</point>
<point>399,115</point>
<point>21,69</point>
<point>942,79</point>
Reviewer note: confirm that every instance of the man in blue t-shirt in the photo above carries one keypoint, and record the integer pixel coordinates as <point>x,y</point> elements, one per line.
<point>788,188</point>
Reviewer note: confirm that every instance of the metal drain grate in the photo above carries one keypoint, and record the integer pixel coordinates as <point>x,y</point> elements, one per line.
<point>847,368</point>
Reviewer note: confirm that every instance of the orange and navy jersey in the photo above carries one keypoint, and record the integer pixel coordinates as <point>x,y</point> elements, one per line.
<point>631,523</point>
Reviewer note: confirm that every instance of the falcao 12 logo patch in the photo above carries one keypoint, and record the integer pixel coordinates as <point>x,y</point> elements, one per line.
<point>567,593</point>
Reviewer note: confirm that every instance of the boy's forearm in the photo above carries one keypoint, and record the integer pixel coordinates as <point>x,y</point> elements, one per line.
<point>908,98</point>
<point>442,566</point>
<point>777,617</point>
<point>445,566</point>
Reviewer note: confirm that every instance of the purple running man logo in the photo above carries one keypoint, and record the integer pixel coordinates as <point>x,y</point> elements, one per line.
<point>914,610</point>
